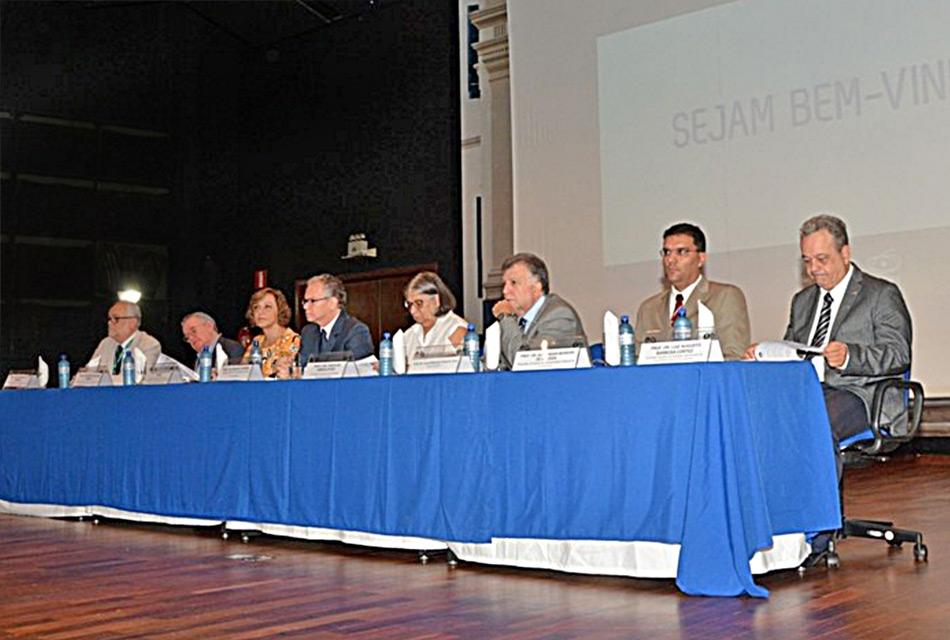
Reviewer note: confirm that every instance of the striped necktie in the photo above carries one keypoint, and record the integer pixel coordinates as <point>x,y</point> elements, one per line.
<point>824,319</point>
<point>522,323</point>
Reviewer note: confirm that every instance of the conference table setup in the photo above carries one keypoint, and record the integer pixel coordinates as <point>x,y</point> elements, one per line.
<point>703,473</point>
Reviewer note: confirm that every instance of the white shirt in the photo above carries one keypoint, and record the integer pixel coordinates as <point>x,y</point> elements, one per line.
<point>438,335</point>
<point>686,293</point>
<point>837,295</point>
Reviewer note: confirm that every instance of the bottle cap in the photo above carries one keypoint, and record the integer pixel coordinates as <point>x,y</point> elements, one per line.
<point>471,327</point>
<point>682,312</point>
<point>62,356</point>
<point>385,335</point>
<point>624,318</point>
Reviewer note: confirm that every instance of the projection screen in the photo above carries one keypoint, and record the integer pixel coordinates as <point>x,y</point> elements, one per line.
<point>745,118</point>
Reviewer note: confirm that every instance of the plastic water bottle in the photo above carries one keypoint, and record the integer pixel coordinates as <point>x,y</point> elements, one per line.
<point>62,369</point>
<point>471,347</point>
<point>386,355</point>
<point>128,368</point>
<point>682,327</point>
<point>626,342</point>
<point>256,357</point>
<point>205,364</point>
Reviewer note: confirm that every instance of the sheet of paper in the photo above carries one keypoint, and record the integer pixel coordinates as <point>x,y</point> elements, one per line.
<point>611,339</point>
<point>492,346</point>
<point>399,352</point>
<point>705,321</point>
<point>42,371</point>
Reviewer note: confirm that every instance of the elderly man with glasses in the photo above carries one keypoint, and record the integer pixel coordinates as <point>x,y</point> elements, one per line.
<point>124,334</point>
<point>332,329</point>
<point>684,255</point>
<point>200,330</point>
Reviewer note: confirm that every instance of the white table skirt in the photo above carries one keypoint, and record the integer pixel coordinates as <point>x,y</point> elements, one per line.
<point>596,557</point>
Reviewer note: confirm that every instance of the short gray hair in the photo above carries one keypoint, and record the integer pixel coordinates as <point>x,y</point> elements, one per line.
<point>535,266</point>
<point>429,283</point>
<point>332,286</point>
<point>201,315</point>
<point>832,224</point>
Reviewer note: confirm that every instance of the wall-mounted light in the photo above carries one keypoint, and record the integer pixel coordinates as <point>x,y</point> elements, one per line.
<point>130,295</point>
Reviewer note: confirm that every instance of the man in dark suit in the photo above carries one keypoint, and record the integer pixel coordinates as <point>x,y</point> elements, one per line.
<point>529,310</point>
<point>860,322</point>
<point>200,331</point>
<point>333,329</point>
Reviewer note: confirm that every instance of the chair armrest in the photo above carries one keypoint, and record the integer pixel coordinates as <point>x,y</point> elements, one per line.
<point>915,411</point>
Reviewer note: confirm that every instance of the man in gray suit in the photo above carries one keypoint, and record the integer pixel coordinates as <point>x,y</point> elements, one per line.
<point>860,322</point>
<point>529,309</point>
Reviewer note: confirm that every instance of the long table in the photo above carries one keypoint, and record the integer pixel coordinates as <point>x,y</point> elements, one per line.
<point>715,458</point>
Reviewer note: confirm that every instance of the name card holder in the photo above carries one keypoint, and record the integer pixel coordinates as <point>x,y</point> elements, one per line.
<point>21,380</point>
<point>675,352</point>
<point>330,370</point>
<point>239,373</point>
<point>92,378</point>
<point>548,359</point>
<point>163,375</point>
<point>441,364</point>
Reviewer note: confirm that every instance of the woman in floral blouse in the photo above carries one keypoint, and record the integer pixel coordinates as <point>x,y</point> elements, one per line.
<point>269,311</point>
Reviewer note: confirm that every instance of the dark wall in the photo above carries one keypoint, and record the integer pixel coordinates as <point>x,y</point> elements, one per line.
<point>255,157</point>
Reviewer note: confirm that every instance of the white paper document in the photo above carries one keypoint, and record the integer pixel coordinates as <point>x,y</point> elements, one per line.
<point>399,352</point>
<point>784,350</point>
<point>168,361</point>
<point>42,371</point>
<point>611,339</point>
<point>492,346</point>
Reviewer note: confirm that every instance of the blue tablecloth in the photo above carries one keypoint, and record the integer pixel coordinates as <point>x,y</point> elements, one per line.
<point>716,457</point>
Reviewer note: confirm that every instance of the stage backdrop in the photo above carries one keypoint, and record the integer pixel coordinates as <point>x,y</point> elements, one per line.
<point>745,118</point>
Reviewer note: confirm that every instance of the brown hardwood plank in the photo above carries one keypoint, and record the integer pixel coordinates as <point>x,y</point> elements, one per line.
<point>64,580</point>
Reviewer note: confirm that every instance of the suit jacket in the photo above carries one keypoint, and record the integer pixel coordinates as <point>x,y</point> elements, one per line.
<point>556,319</point>
<point>348,334</point>
<point>142,341</point>
<point>727,303</point>
<point>875,324</point>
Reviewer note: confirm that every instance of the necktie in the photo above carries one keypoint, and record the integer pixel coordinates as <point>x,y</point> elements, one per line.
<point>824,319</point>
<point>324,340</point>
<point>676,307</point>
<point>522,323</point>
<point>117,359</point>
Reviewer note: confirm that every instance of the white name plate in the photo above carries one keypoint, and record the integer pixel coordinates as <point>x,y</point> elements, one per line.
<point>163,375</point>
<point>543,359</point>
<point>674,352</point>
<point>330,370</point>
<point>21,380</point>
<point>92,378</point>
<point>240,373</point>
<point>442,364</point>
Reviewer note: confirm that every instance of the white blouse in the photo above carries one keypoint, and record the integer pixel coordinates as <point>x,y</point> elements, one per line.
<point>438,335</point>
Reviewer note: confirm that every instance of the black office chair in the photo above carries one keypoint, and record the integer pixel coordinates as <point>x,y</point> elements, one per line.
<point>874,444</point>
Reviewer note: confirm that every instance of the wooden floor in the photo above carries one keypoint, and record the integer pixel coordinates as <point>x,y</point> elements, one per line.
<point>68,579</point>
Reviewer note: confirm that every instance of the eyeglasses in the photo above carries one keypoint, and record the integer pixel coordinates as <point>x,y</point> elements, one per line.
<point>115,319</point>
<point>679,253</point>
<point>418,304</point>
<point>191,333</point>
<point>307,301</point>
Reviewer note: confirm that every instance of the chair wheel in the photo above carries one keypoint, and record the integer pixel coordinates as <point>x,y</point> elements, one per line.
<point>245,538</point>
<point>833,561</point>
<point>224,535</point>
<point>920,552</point>
<point>895,543</point>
